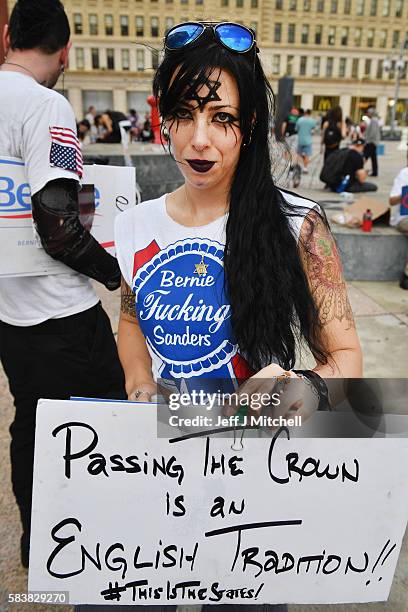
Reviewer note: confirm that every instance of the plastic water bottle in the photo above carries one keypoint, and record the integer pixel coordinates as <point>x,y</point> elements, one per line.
<point>367,221</point>
<point>343,184</point>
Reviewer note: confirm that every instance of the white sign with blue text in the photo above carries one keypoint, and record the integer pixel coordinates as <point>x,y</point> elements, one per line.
<point>122,517</point>
<point>20,251</point>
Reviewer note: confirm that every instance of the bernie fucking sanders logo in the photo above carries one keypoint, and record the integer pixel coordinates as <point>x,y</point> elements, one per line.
<point>183,310</point>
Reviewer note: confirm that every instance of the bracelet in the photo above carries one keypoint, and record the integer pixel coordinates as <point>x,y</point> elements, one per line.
<point>319,384</point>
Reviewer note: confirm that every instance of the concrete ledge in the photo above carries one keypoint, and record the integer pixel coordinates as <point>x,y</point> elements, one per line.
<point>379,255</point>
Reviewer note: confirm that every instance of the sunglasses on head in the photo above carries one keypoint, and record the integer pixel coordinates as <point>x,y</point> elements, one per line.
<point>232,36</point>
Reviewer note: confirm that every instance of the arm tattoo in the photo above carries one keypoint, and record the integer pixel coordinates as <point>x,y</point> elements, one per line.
<point>324,272</point>
<point>127,300</point>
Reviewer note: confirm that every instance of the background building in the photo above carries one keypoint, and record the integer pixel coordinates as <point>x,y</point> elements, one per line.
<point>337,50</point>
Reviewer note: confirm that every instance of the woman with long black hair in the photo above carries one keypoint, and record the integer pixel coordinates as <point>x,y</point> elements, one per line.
<point>226,276</point>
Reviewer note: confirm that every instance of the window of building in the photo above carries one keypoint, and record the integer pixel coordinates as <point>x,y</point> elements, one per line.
<point>383,38</point>
<point>344,36</point>
<point>333,6</point>
<point>124,25</point>
<point>140,60</point>
<point>306,5</point>
<point>78,25</point>
<point>199,2</point>
<point>354,68</point>
<point>95,58</point>
<point>370,37</point>
<point>395,39</point>
<point>254,3</point>
<point>276,64</point>
<point>303,65</point>
<point>139,26</point>
<point>291,32</point>
<point>110,59</point>
<point>289,64</point>
<point>254,26</point>
<point>279,5</point>
<point>305,34</point>
<point>292,5</point>
<point>347,7</point>
<point>367,67</point>
<point>331,37</point>
<point>79,58</point>
<point>240,3</point>
<point>125,59</point>
<point>277,34</point>
<point>329,67</point>
<point>154,27</point>
<point>373,8</point>
<point>318,34</point>
<point>316,66</point>
<point>169,1</point>
<point>169,23</point>
<point>93,24</point>
<point>379,73</point>
<point>342,66</point>
<point>155,59</point>
<point>386,8</point>
<point>399,7</point>
<point>320,6</point>
<point>108,25</point>
<point>224,2</point>
<point>357,37</point>
<point>360,7</point>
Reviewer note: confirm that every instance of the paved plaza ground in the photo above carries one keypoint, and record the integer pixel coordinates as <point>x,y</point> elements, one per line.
<point>381,311</point>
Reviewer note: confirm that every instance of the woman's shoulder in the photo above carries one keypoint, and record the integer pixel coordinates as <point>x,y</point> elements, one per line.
<point>302,206</point>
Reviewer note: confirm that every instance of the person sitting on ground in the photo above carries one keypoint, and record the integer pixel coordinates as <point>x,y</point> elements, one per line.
<point>398,219</point>
<point>354,168</point>
<point>347,163</point>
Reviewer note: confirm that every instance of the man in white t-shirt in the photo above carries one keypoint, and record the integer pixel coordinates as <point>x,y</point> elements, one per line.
<point>397,218</point>
<point>55,338</point>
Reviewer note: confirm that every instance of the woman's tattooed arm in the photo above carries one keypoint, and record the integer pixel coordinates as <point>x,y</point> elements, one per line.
<point>323,268</point>
<point>127,300</point>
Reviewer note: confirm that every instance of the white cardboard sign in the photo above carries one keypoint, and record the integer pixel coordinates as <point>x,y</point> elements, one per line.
<point>20,255</point>
<point>122,517</point>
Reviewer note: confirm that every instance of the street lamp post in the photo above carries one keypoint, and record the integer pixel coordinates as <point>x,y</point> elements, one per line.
<point>399,69</point>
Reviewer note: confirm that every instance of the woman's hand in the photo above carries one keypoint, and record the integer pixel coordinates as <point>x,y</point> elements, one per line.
<point>142,392</point>
<point>277,393</point>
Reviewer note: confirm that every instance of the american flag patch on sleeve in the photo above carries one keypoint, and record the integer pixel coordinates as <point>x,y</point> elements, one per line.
<point>65,150</point>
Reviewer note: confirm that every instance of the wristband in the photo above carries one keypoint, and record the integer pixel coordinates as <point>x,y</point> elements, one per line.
<point>320,387</point>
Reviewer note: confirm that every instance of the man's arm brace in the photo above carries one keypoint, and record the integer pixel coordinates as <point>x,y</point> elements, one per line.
<point>56,217</point>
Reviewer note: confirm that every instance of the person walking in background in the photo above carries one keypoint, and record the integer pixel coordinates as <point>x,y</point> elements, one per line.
<point>133,117</point>
<point>372,137</point>
<point>334,129</point>
<point>304,128</point>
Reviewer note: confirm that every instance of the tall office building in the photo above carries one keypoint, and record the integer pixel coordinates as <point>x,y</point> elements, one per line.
<point>337,50</point>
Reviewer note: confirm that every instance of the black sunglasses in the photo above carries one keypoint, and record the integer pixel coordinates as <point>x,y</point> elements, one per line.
<point>232,36</point>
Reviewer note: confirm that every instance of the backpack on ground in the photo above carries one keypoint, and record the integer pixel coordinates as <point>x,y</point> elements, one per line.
<point>332,172</point>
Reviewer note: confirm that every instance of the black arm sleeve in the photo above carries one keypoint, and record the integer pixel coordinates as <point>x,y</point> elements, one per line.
<point>56,217</point>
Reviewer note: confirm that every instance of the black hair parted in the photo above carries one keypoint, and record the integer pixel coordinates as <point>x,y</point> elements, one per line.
<point>272,308</point>
<point>39,24</point>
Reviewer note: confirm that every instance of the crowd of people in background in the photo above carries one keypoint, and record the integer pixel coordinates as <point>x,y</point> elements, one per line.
<point>361,141</point>
<point>104,127</point>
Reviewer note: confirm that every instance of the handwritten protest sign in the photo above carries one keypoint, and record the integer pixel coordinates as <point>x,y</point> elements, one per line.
<point>121,516</point>
<point>20,255</point>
